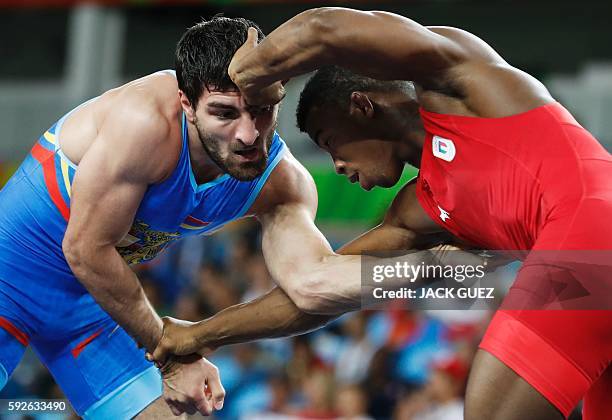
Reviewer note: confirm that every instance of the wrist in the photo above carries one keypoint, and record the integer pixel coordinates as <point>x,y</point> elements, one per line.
<point>151,336</point>
<point>207,336</point>
<point>175,362</point>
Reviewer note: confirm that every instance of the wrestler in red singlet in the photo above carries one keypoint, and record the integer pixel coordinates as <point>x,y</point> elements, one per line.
<point>544,184</point>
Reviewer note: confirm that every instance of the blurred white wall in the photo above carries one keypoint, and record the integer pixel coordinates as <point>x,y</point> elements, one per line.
<point>95,39</point>
<point>588,95</point>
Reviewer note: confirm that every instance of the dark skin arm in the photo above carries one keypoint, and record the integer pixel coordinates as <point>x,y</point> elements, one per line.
<point>274,314</point>
<point>454,71</point>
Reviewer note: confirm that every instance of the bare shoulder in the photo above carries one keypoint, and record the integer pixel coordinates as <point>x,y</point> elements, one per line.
<point>150,103</point>
<point>406,212</point>
<point>474,48</point>
<point>484,84</point>
<point>142,123</point>
<point>289,183</point>
<point>138,122</point>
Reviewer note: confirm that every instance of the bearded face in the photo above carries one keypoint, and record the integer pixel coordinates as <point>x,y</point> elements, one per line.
<point>244,163</point>
<point>236,136</point>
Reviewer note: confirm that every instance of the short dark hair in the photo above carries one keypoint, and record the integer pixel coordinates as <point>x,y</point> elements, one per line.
<point>333,85</point>
<point>204,52</point>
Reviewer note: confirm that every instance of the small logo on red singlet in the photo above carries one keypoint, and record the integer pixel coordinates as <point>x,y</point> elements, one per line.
<point>443,148</point>
<point>444,215</point>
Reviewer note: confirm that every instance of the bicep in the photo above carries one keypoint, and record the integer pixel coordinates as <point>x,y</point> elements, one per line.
<point>114,174</point>
<point>367,39</point>
<point>105,198</point>
<point>286,209</point>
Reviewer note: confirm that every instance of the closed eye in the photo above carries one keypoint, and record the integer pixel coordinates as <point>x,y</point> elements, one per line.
<point>226,115</point>
<point>223,111</point>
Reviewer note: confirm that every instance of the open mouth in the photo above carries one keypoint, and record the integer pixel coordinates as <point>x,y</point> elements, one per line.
<point>248,154</point>
<point>354,178</point>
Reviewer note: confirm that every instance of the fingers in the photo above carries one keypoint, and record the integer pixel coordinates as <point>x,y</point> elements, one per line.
<point>216,390</point>
<point>204,405</point>
<point>150,358</point>
<point>193,386</point>
<point>171,341</point>
<point>175,401</point>
<point>252,37</point>
<point>160,354</point>
<point>175,410</point>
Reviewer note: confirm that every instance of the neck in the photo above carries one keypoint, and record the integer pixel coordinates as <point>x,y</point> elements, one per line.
<point>204,169</point>
<point>405,129</point>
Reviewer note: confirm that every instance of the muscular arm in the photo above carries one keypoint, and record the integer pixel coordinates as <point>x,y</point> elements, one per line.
<point>111,180</point>
<point>275,314</point>
<point>357,40</point>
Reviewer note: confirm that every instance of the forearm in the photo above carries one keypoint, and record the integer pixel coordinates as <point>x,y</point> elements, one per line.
<point>272,315</point>
<point>117,290</point>
<point>356,40</point>
<point>341,283</point>
<point>296,47</point>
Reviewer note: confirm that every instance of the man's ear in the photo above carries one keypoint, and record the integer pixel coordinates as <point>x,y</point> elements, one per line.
<point>187,108</point>
<point>361,105</point>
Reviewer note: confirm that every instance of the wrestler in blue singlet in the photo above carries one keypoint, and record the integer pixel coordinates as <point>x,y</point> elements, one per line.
<point>42,304</point>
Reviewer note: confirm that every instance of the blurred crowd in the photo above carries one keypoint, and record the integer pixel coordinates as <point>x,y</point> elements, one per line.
<point>394,364</point>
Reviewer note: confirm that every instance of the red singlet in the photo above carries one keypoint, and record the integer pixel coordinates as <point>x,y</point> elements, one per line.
<point>536,181</point>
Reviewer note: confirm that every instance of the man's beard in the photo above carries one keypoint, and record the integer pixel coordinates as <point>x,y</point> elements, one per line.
<point>242,171</point>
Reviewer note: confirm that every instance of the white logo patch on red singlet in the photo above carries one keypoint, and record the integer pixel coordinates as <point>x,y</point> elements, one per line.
<point>443,148</point>
<point>444,215</point>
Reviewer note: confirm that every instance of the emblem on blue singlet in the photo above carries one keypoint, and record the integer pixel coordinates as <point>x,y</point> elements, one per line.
<point>143,243</point>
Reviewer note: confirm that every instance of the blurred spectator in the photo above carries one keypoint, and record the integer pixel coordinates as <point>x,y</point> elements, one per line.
<point>318,388</point>
<point>380,385</point>
<point>442,396</point>
<point>279,405</point>
<point>258,280</point>
<point>187,307</point>
<point>351,403</point>
<point>215,291</point>
<point>357,351</point>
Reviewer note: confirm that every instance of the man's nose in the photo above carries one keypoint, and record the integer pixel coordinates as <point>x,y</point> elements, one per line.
<point>340,166</point>
<point>247,133</point>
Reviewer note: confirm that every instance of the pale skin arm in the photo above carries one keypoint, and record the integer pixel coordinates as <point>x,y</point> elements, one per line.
<point>112,178</point>
<point>299,258</point>
<point>272,315</point>
<point>278,315</point>
<point>129,153</point>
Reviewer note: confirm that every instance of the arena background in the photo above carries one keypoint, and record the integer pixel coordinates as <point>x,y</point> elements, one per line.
<point>54,54</point>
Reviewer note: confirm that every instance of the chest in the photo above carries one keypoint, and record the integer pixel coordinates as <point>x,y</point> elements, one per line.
<point>171,212</point>
<point>471,190</point>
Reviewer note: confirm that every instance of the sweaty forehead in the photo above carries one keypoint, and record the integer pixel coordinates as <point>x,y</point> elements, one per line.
<point>230,96</point>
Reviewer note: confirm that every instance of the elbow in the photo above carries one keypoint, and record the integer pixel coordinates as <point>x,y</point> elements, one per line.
<point>75,254</point>
<point>321,25</point>
<point>310,296</point>
<point>321,20</point>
